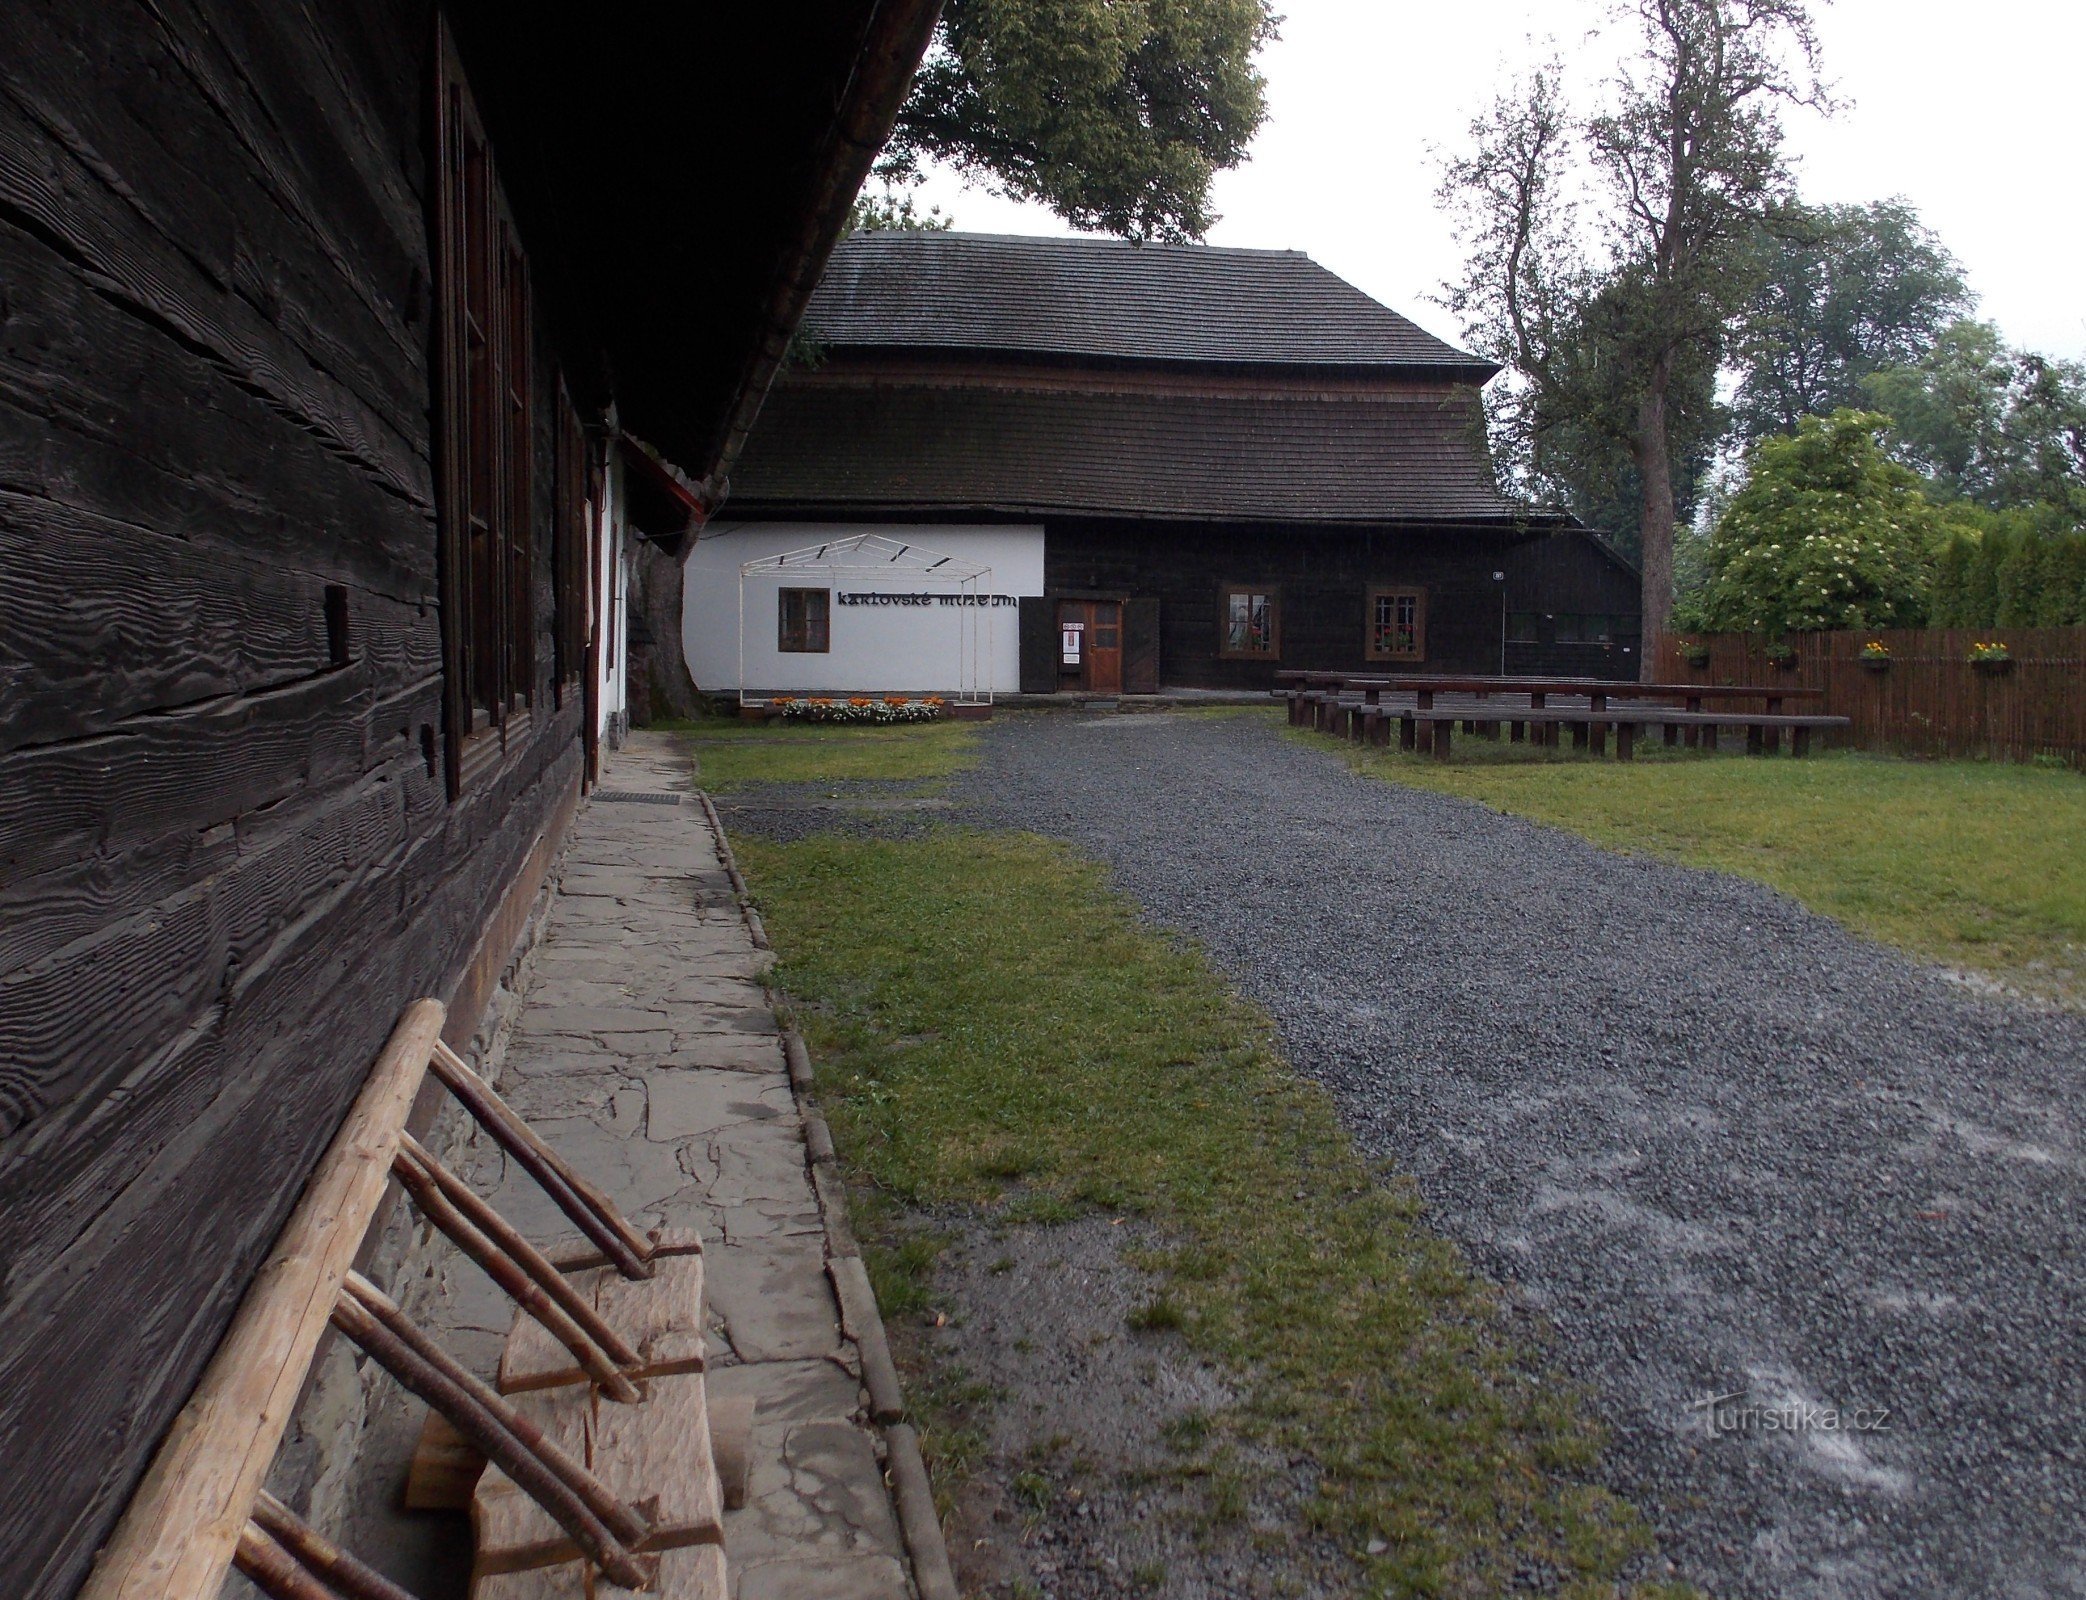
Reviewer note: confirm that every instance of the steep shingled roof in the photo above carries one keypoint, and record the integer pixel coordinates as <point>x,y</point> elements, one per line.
<point>1104,299</point>
<point>863,448</point>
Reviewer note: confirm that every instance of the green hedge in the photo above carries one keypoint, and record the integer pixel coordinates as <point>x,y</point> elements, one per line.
<point>2009,570</point>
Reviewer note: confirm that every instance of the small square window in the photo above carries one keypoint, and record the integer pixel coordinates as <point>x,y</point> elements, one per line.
<point>1252,622</point>
<point>1524,627</point>
<point>1397,625</point>
<point>805,621</point>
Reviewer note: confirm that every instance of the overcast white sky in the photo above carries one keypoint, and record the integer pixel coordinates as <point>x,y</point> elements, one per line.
<point>1971,112</point>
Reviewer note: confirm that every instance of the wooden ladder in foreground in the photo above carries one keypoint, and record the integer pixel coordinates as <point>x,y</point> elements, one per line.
<point>589,1466</point>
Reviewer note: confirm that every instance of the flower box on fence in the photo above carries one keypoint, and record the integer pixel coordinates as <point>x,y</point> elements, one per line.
<point>1991,657</point>
<point>1695,655</point>
<point>1875,656</point>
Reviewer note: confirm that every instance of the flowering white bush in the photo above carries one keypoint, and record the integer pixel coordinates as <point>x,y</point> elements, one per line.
<point>861,708</point>
<point>1828,532</point>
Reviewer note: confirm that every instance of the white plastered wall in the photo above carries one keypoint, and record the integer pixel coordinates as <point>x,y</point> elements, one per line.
<point>611,602</point>
<point>877,648</point>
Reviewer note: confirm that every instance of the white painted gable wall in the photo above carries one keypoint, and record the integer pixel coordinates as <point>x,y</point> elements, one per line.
<point>876,649</point>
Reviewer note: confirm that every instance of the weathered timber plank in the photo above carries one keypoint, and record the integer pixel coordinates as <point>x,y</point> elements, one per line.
<point>656,1455</point>
<point>39,918</point>
<point>660,1317</point>
<point>443,1474</point>
<point>692,1572</point>
<point>73,1023</point>
<point>189,769</point>
<point>105,620</point>
<point>512,1530</point>
<point>320,157</point>
<point>108,412</point>
<point>121,199</point>
<point>565,1582</point>
<point>176,1538</point>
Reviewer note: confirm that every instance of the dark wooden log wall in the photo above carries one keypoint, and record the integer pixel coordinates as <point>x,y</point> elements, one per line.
<point>1325,576</point>
<point>1567,573</point>
<point>227,855</point>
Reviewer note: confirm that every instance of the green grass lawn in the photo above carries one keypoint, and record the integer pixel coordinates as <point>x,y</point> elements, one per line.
<point>729,754</point>
<point>1976,864</point>
<point>995,1030</point>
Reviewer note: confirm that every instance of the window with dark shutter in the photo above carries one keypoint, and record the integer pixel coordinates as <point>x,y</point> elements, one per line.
<point>804,621</point>
<point>486,399</point>
<point>1397,625</point>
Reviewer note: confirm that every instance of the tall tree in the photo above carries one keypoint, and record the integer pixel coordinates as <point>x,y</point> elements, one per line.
<point>1845,291</point>
<point>1115,113</point>
<point>1684,168</point>
<point>2005,428</point>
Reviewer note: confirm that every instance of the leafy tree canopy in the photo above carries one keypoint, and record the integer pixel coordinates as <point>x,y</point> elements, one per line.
<point>895,208</point>
<point>1844,291</point>
<point>1828,532</point>
<point>1608,256</point>
<point>1115,113</point>
<point>2001,427</point>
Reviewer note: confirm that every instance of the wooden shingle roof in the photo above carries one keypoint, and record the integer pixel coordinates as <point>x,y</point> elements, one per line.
<point>1087,299</point>
<point>861,449</point>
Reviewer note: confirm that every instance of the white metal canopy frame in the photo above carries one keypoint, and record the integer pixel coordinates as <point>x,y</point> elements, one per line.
<point>876,555</point>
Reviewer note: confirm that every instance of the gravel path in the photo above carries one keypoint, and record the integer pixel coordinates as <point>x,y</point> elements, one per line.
<point>1720,1144</point>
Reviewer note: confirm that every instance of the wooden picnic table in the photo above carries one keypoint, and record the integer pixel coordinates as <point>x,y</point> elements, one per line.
<point>1598,691</point>
<point>1326,696</point>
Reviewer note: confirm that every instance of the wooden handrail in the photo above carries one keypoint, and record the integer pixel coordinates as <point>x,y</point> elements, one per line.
<point>177,1539</point>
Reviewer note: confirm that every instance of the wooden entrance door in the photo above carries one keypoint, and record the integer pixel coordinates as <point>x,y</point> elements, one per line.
<point>1090,645</point>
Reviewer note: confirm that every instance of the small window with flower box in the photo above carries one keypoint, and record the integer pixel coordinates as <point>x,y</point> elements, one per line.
<point>1397,625</point>
<point>1250,620</point>
<point>804,618</point>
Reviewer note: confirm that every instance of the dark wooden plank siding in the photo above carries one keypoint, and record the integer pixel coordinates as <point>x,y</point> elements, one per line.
<point>1564,575</point>
<point>227,853</point>
<point>1324,575</point>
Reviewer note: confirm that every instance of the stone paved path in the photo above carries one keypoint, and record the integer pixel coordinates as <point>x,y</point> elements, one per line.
<point>644,1049</point>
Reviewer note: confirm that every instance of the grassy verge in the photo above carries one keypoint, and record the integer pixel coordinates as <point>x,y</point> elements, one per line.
<point>1976,864</point>
<point>996,1030</point>
<point>731,755</point>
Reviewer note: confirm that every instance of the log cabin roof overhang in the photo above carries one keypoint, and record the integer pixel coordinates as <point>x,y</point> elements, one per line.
<point>679,175</point>
<point>912,450</point>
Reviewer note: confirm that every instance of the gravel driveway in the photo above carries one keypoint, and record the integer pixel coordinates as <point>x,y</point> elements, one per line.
<point>1721,1145</point>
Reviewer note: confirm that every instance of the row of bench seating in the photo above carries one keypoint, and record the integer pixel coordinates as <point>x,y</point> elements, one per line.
<point>1431,726</point>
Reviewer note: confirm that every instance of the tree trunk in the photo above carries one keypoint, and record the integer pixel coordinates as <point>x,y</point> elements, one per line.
<point>660,686</point>
<point>1655,524</point>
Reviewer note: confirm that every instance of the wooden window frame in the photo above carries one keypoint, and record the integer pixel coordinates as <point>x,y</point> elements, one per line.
<point>1372,645</point>
<point>818,631</point>
<point>1225,651</point>
<point>486,405</point>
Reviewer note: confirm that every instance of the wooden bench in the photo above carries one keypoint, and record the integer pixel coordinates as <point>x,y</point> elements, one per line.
<point>590,1465</point>
<point>1433,728</point>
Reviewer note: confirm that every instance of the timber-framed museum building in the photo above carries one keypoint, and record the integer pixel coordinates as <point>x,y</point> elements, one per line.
<point>1183,466</point>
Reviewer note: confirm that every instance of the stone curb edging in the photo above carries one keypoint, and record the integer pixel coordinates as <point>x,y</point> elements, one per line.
<point>905,1469</point>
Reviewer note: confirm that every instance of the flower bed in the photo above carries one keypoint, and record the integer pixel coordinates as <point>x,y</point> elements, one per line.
<point>860,708</point>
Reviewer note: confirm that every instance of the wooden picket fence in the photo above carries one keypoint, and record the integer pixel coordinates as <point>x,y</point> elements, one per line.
<point>1930,700</point>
